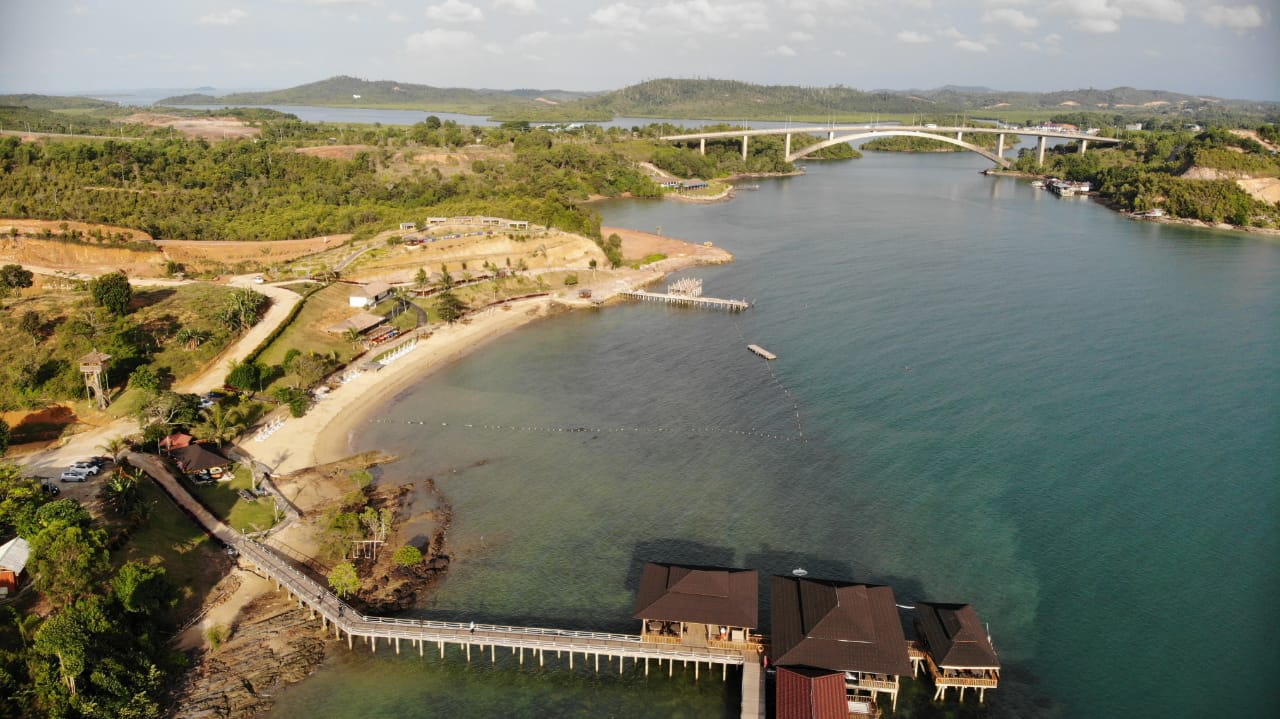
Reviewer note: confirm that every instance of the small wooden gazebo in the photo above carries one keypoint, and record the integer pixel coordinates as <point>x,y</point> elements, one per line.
<point>957,649</point>
<point>699,606</point>
<point>94,368</point>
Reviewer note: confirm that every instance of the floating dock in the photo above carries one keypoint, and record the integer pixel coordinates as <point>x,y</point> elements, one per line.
<point>711,303</point>
<point>762,352</point>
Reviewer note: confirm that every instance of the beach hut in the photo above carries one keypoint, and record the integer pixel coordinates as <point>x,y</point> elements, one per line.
<point>177,440</point>
<point>842,626</point>
<point>957,649</point>
<point>806,693</point>
<point>368,295</point>
<point>13,560</point>
<point>195,457</point>
<point>699,606</point>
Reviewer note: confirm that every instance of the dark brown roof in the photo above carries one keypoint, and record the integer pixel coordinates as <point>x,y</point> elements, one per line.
<point>805,693</point>
<point>95,357</point>
<point>837,625</point>
<point>195,457</point>
<point>705,595</point>
<point>955,636</point>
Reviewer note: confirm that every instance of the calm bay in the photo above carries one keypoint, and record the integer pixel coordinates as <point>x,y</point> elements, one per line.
<point>985,394</point>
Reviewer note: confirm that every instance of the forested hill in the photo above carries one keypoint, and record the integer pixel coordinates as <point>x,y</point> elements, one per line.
<point>345,91</point>
<point>54,102</point>
<point>732,100</point>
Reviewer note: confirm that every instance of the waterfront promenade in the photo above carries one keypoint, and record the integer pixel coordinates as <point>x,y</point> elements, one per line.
<point>529,643</point>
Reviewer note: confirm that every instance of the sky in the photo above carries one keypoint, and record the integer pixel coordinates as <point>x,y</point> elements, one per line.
<point>1225,48</point>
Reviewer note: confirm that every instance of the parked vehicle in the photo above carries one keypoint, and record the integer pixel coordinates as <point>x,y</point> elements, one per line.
<point>75,475</point>
<point>50,489</point>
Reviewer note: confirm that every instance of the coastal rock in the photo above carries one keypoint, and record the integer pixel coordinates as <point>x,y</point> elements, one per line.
<point>274,643</point>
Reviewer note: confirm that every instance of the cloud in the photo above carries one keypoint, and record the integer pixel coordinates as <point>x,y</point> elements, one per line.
<point>1050,44</point>
<point>1164,10</point>
<point>1091,16</point>
<point>438,40</point>
<point>782,51</point>
<point>455,11</point>
<point>228,17</point>
<point>620,18</point>
<point>1012,17</point>
<point>971,46</point>
<point>530,39</point>
<point>799,36</point>
<point>1243,17</point>
<point>952,33</point>
<point>518,7</point>
<point>913,37</point>
<point>708,16</point>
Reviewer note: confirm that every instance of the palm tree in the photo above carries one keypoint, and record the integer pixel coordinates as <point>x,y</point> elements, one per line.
<point>220,424</point>
<point>120,492</point>
<point>115,448</point>
<point>353,336</point>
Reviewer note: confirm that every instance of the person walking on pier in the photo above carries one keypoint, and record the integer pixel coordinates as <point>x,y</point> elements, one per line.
<point>473,626</point>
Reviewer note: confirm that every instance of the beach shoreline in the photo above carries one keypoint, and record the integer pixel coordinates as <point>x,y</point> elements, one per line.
<point>325,433</point>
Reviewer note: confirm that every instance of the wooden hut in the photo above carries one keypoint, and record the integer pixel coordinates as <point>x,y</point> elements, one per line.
<point>807,693</point>
<point>698,606</point>
<point>842,626</point>
<point>13,562</point>
<point>957,649</point>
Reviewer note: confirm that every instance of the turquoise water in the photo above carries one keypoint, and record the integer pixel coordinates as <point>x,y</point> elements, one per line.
<point>984,393</point>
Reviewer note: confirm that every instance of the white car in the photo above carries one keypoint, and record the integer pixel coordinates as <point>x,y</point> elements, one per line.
<point>258,280</point>
<point>75,475</point>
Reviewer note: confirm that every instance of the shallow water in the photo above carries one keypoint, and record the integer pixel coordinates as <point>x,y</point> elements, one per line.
<point>984,393</point>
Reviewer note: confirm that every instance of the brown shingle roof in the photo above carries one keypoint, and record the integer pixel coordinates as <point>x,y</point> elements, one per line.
<point>805,693</point>
<point>705,595</point>
<point>371,290</point>
<point>837,625</point>
<point>360,322</point>
<point>955,636</point>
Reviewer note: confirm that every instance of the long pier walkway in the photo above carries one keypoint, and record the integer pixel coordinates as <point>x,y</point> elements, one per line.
<point>420,633</point>
<point>687,300</point>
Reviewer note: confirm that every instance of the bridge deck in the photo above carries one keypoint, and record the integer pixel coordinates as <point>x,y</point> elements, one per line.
<point>838,130</point>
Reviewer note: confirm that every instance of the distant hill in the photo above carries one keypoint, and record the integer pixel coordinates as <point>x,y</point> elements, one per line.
<point>346,91</point>
<point>55,102</point>
<point>731,100</point>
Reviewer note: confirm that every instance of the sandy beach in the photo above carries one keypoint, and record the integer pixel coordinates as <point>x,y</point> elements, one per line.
<point>324,433</point>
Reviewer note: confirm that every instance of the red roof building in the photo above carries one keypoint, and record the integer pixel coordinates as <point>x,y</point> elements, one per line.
<point>805,693</point>
<point>702,606</point>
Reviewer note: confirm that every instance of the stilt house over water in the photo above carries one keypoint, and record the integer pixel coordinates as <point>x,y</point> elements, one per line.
<point>698,606</point>
<point>957,649</point>
<point>845,627</point>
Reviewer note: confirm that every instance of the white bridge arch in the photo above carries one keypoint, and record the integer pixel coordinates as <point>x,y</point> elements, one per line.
<point>1001,161</point>
<point>949,135</point>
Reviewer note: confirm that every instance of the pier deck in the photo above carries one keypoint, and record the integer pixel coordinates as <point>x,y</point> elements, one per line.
<point>687,300</point>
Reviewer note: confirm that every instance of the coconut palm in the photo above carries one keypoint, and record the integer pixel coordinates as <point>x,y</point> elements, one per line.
<point>120,491</point>
<point>114,448</point>
<point>220,424</point>
<point>353,336</point>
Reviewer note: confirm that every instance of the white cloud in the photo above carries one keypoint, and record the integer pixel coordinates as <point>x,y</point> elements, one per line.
<point>620,17</point>
<point>1092,16</point>
<point>455,11</point>
<point>971,46</point>
<point>437,40</point>
<point>341,2</point>
<point>228,17</point>
<point>493,48</point>
<point>536,37</point>
<point>706,16</point>
<point>799,36</point>
<point>782,51</point>
<point>806,20</point>
<point>395,17</point>
<point>839,53</point>
<point>1012,17</point>
<point>1050,44</point>
<point>1242,17</point>
<point>952,33</point>
<point>1164,10</point>
<point>518,7</point>
<point>911,36</point>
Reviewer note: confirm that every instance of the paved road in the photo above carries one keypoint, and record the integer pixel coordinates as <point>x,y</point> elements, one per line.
<point>51,462</point>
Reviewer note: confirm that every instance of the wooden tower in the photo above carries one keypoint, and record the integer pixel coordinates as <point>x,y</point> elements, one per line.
<point>94,367</point>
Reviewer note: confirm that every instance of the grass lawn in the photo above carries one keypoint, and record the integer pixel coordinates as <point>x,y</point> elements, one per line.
<point>223,500</point>
<point>191,560</point>
<point>306,332</point>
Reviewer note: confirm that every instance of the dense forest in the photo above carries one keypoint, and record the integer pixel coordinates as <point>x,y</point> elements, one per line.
<point>1150,171</point>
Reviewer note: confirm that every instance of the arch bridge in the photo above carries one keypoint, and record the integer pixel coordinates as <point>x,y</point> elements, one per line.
<point>847,133</point>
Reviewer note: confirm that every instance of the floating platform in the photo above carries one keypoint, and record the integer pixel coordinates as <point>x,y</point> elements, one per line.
<point>763,353</point>
<point>712,303</point>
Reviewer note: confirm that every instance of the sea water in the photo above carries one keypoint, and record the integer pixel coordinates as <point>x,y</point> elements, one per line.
<point>984,394</point>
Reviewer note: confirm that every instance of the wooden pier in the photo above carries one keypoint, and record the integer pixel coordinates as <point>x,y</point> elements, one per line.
<point>534,642</point>
<point>711,303</point>
<point>757,349</point>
